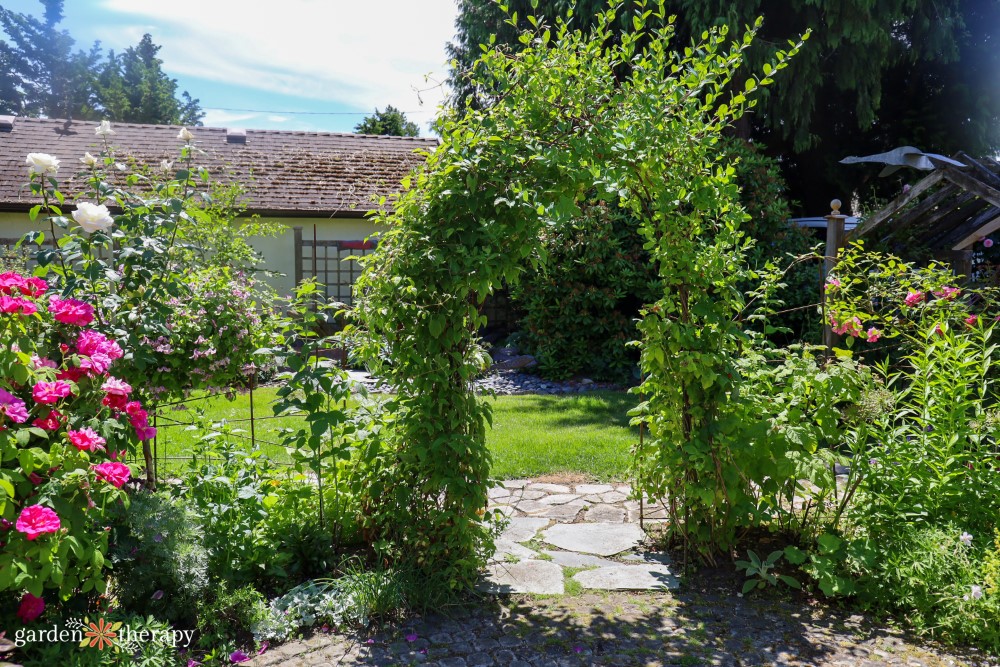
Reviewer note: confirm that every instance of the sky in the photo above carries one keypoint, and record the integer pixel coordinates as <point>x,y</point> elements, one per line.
<point>288,64</point>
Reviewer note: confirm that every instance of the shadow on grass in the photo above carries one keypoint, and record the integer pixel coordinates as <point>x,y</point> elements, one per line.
<point>599,408</point>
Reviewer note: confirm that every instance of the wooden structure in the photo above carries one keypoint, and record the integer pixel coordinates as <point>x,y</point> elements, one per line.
<point>947,211</point>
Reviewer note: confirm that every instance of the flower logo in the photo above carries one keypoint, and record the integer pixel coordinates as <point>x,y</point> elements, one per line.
<point>101,634</point>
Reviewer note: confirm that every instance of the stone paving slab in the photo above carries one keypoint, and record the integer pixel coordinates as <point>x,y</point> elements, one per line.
<point>601,539</point>
<point>528,576</point>
<point>593,488</point>
<point>573,559</point>
<point>507,550</point>
<point>628,578</point>
<point>605,514</point>
<point>523,528</point>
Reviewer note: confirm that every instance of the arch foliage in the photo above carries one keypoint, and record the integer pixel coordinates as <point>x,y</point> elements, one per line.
<point>575,114</point>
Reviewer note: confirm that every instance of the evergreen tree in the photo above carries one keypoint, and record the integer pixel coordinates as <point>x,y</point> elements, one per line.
<point>41,75</point>
<point>392,122</point>
<point>873,76</point>
<point>132,87</point>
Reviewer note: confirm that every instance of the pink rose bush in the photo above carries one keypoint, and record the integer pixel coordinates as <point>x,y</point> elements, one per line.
<point>885,297</point>
<point>66,421</point>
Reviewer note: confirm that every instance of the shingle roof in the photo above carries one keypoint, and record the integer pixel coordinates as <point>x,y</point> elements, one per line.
<point>285,173</point>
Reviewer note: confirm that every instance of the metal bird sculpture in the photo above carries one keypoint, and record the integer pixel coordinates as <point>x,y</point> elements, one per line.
<point>904,156</point>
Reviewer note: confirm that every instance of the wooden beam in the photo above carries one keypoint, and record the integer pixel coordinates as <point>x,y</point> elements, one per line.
<point>882,215</point>
<point>834,242</point>
<point>948,228</point>
<point>924,208</point>
<point>982,225</point>
<point>985,174</point>
<point>973,185</point>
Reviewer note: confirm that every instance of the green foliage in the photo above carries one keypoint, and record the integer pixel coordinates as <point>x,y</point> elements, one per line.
<point>319,390</point>
<point>41,75</point>
<point>760,573</point>
<point>391,122</point>
<point>133,88</point>
<point>232,492</point>
<point>564,123</point>
<point>764,197</point>
<point>356,598</point>
<point>160,565</point>
<point>225,618</point>
<point>581,303</point>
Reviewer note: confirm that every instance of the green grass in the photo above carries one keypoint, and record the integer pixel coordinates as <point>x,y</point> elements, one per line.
<point>532,435</point>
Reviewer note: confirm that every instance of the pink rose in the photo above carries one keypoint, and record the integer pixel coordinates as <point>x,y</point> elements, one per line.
<point>52,422</point>
<point>90,342</point>
<point>914,298</point>
<point>971,320</point>
<point>948,293</point>
<point>30,608</point>
<point>86,440</point>
<point>873,335</point>
<point>11,283</point>
<point>116,474</point>
<point>12,408</point>
<point>71,311</point>
<point>34,286</point>
<point>36,520</point>
<point>17,306</point>
<point>116,387</point>
<point>48,393</point>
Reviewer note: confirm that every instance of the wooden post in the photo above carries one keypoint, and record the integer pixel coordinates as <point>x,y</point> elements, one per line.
<point>834,242</point>
<point>297,240</point>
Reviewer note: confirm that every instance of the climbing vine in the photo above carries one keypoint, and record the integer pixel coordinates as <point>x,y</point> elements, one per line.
<point>574,113</point>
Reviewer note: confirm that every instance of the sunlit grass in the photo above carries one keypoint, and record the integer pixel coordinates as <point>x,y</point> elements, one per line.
<point>532,435</point>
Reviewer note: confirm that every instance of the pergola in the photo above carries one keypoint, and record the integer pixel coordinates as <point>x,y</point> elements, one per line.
<point>946,211</point>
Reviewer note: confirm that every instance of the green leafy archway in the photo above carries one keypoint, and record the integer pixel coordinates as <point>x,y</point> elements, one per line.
<point>575,116</point>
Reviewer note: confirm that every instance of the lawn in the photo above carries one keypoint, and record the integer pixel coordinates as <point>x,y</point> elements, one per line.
<point>532,435</point>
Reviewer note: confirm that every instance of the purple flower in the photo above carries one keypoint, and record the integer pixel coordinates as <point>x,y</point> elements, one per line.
<point>369,641</point>
<point>412,637</point>
<point>578,649</point>
<point>238,656</point>
<point>966,539</point>
<point>263,647</point>
<point>158,595</point>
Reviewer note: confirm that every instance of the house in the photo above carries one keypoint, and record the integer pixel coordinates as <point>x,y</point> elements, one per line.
<point>320,185</point>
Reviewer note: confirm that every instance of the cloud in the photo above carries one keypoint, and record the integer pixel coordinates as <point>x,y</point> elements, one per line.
<point>223,118</point>
<point>278,119</point>
<point>357,54</point>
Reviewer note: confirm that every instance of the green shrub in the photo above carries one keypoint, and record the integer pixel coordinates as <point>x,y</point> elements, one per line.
<point>581,304</point>
<point>160,565</point>
<point>226,618</point>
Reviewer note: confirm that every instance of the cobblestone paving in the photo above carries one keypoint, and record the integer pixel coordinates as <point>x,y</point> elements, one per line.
<point>705,622</point>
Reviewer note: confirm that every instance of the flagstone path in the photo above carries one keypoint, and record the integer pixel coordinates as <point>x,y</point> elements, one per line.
<point>586,589</point>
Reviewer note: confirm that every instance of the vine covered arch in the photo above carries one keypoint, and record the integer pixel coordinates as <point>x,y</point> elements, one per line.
<point>574,116</point>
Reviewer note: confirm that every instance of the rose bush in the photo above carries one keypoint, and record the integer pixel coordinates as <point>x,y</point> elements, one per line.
<point>66,424</point>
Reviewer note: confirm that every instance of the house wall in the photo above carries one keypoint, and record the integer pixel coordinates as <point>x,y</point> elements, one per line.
<point>278,252</point>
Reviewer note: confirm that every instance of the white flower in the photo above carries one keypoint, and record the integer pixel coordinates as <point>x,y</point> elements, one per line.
<point>88,160</point>
<point>120,166</point>
<point>185,135</point>
<point>966,539</point>
<point>93,217</point>
<point>42,163</point>
<point>976,592</point>
<point>104,129</point>
<point>166,165</point>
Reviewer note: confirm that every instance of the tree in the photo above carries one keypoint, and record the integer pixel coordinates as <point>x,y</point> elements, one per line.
<point>133,88</point>
<point>41,75</point>
<point>390,122</point>
<point>873,76</point>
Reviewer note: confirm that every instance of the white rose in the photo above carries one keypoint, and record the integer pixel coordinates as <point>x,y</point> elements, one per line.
<point>166,165</point>
<point>185,135</point>
<point>88,160</point>
<point>104,129</point>
<point>42,163</point>
<point>93,217</point>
